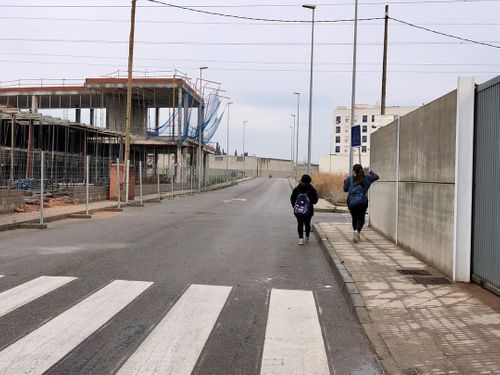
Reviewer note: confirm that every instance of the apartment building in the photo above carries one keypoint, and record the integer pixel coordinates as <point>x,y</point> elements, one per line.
<point>368,117</point>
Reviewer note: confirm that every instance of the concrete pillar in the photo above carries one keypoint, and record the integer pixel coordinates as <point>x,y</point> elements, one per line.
<point>464,169</point>
<point>180,161</point>
<point>157,121</point>
<point>34,104</point>
<point>78,115</point>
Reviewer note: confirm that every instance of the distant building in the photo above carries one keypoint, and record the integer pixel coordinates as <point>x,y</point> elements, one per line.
<point>369,118</point>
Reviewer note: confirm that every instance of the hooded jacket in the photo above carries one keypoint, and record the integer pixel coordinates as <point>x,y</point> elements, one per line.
<point>308,189</point>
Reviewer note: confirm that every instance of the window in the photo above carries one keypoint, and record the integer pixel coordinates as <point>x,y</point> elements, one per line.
<point>337,139</point>
<point>373,118</point>
<point>337,149</point>
<point>365,128</point>
<point>239,158</point>
<point>365,138</point>
<point>337,129</point>
<point>219,158</point>
<point>338,119</point>
<point>363,148</point>
<point>347,119</point>
<point>365,118</point>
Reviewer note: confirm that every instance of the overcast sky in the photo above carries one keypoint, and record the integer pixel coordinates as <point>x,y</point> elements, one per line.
<point>260,78</point>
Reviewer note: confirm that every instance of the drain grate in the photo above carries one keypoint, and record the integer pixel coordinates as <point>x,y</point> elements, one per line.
<point>431,280</point>
<point>414,271</point>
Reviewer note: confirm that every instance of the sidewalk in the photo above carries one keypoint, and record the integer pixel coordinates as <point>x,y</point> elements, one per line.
<point>415,328</point>
<point>16,219</point>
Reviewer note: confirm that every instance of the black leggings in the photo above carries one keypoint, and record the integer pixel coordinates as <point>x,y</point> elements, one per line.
<point>301,222</point>
<point>358,217</point>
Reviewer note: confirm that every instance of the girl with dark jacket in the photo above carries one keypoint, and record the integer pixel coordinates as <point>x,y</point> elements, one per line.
<point>303,199</point>
<point>357,186</point>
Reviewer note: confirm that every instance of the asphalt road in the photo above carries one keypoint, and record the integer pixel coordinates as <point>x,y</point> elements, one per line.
<point>239,245</point>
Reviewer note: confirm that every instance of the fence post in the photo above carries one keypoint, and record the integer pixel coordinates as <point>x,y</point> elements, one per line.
<point>140,182</point>
<point>127,176</point>
<point>158,181</point>
<point>41,185</point>
<point>87,174</point>
<point>118,183</point>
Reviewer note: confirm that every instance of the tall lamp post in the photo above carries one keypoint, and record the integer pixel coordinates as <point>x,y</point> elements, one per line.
<point>353,94</point>
<point>297,134</point>
<point>227,141</point>
<point>244,125</point>
<point>313,8</point>
<point>293,136</point>
<point>200,132</point>
<point>291,142</point>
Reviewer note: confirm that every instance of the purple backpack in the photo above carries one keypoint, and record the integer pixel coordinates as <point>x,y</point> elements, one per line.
<point>302,205</point>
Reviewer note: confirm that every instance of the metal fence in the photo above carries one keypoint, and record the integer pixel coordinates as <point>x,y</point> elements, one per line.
<point>486,219</point>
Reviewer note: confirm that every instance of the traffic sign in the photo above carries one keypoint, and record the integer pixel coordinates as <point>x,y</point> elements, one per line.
<point>356,136</point>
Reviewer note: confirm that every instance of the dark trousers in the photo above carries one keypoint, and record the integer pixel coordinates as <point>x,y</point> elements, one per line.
<point>358,217</point>
<point>301,222</point>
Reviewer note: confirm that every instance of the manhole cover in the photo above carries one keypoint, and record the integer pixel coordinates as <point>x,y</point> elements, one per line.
<point>431,280</point>
<point>414,271</point>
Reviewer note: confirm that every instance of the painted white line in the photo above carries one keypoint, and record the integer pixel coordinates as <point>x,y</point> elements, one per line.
<point>20,295</point>
<point>294,342</point>
<point>42,348</point>
<point>176,343</point>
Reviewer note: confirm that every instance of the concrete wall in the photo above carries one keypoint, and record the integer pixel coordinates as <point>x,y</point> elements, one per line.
<point>96,193</point>
<point>340,163</point>
<point>10,199</point>
<point>254,166</point>
<point>418,212</point>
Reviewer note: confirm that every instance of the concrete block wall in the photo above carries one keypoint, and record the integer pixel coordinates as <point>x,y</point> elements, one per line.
<point>418,212</point>
<point>96,193</point>
<point>10,199</point>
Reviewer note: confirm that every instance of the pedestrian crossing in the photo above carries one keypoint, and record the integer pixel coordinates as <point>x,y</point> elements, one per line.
<point>293,342</point>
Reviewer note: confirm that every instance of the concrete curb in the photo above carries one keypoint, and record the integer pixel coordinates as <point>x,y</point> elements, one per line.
<point>111,207</point>
<point>353,297</point>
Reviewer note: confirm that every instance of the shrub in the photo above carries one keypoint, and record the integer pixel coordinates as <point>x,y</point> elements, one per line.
<point>330,186</point>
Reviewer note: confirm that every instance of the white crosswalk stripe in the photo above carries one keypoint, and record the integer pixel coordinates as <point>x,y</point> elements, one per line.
<point>42,348</point>
<point>176,343</point>
<point>293,343</point>
<point>20,295</point>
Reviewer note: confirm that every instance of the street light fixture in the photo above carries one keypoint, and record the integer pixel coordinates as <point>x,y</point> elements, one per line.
<point>244,125</point>
<point>227,142</point>
<point>313,8</point>
<point>298,127</point>
<point>201,119</point>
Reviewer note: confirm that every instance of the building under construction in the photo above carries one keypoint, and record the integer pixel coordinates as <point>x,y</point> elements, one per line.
<point>171,143</point>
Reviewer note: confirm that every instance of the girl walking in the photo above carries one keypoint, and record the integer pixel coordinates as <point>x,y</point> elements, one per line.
<point>357,186</point>
<point>303,199</point>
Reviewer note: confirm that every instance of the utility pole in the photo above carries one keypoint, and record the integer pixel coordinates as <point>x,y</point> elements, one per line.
<point>384,63</point>
<point>353,93</point>
<point>313,8</point>
<point>128,118</point>
<point>227,141</point>
<point>297,135</point>
<point>201,119</point>
<point>244,125</point>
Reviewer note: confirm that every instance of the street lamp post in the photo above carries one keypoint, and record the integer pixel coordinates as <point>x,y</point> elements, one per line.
<point>313,8</point>
<point>353,94</point>
<point>293,136</point>
<point>227,142</point>
<point>297,134</point>
<point>244,125</point>
<point>200,132</point>
<point>291,142</point>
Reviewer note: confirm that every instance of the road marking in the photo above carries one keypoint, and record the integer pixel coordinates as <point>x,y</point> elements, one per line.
<point>293,343</point>
<point>176,343</point>
<point>42,348</point>
<point>20,295</point>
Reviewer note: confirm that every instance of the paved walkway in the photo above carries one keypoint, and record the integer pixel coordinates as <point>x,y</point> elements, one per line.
<point>416,328</point>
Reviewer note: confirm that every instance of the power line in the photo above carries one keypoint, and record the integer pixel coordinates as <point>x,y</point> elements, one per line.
<point>260,62</point>
<point>230,44</point>
<point>484,24</point>
<point>254,69</point>
<point>484,43</point>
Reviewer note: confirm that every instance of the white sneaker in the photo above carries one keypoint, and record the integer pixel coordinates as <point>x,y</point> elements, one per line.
<point>355,236</point>
<point>301,241</point>
<point>307,239</point>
